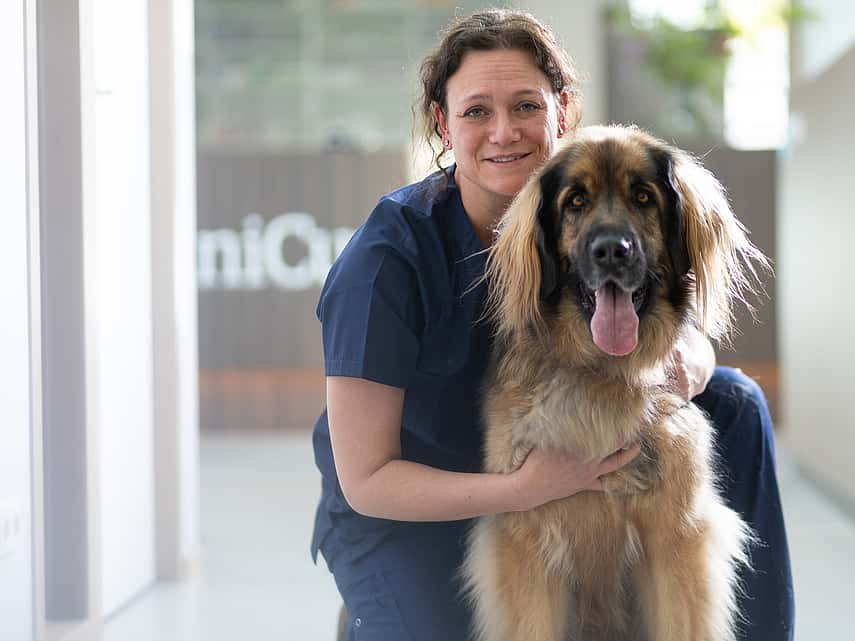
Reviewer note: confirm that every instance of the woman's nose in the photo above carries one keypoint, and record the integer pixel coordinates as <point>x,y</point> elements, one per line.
<point>505,130</point>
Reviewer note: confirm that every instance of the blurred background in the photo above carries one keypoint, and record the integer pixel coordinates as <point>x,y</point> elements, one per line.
<point>181,176</point>
<point>303,119</point>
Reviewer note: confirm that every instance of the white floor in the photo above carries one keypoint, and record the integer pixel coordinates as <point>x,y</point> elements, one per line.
<point>256,582</point>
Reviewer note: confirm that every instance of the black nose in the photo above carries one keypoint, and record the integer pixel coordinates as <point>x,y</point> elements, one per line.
<point>611,249</point>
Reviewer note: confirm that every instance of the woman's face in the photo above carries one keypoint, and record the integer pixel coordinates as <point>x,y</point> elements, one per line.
<point>503,119</point>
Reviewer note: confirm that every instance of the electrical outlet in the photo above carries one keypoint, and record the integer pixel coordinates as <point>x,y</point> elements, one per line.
<point>10,524</point>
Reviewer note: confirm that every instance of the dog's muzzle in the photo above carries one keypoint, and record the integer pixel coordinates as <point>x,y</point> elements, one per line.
<point>612,275</point>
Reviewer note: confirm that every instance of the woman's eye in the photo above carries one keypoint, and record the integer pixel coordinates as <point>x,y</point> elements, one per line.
<point>529,106</point>
<point>475,112</point>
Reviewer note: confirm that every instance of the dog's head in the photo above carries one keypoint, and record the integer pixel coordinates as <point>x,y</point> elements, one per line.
<point>619,239</point>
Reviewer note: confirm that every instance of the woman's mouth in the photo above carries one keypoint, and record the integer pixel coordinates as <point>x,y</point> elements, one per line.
<point>507,159</point>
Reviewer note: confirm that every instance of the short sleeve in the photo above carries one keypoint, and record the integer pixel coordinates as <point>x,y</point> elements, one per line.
<point>371,316</point>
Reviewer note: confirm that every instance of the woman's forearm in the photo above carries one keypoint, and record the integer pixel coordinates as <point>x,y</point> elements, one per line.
<point>365,420</point>
<point>406,491</point>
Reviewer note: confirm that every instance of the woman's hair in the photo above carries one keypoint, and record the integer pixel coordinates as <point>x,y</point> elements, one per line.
<point>491,30</point>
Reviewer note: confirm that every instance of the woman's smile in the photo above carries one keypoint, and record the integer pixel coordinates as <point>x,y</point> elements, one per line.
<point>508,159</point>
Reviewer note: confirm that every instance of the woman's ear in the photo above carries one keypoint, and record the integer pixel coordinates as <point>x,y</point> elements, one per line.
<point>440,120</point>
<point>563,104</point>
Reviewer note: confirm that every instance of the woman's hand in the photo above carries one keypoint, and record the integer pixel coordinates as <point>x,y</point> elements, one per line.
<point>694,364</point>
<point>548,475</point>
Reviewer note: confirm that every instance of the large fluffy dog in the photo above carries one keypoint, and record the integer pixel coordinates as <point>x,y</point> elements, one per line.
<point>612,250</point>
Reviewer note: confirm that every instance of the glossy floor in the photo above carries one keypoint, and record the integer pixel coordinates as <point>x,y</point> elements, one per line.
<point>255,579</point>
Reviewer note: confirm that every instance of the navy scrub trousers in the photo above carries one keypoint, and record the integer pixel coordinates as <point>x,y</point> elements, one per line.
<point>407,588</point>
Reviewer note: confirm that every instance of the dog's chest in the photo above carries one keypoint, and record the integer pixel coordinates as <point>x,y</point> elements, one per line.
<point>569,411</point>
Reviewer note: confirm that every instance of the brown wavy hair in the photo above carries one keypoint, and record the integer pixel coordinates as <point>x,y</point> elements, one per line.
<point>491,30</point>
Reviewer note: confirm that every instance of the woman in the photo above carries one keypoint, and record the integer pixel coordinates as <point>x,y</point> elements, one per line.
<point>405,349</point>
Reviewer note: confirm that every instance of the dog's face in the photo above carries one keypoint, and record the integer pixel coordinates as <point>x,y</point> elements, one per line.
<point>618,241</point>
<point>608,212</point>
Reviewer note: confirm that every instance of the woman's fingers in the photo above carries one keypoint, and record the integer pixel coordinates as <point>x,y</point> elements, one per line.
<point>547,475</point>
<point>612,463</point>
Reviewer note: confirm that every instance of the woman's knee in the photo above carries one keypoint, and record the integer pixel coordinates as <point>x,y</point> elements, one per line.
<point>734,382</point>
<point>733,397</point>
<point>738,410</point>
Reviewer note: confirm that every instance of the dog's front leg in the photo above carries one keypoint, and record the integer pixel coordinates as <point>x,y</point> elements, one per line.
<point>667,601</point>
<point>516,597</point>
<point>687,581</point>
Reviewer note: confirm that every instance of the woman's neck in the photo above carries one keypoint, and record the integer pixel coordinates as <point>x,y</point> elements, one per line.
<point>483,209</point>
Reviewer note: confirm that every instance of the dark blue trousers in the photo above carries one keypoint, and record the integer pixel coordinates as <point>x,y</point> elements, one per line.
<point>406,589</point>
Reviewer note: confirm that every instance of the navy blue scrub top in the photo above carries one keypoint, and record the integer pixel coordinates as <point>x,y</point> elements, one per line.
<point>402,306</point>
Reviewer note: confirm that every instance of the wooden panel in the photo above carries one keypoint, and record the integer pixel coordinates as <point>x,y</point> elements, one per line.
<point>293,398</point>
<point>261,398</point>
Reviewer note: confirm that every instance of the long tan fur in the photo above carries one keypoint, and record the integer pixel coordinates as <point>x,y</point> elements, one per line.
<point>655,556</point>
<point>513,272</point>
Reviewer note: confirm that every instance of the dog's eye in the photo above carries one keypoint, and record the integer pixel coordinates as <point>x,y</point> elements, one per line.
<point>643,198</point>
<point>576,200</point>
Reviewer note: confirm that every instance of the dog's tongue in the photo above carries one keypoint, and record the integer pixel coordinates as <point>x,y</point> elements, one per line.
<point>615,323</point>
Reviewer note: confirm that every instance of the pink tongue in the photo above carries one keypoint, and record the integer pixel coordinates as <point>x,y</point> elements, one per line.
<point>615,323</point>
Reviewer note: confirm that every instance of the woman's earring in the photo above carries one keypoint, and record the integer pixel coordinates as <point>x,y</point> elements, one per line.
<point>447,143</point>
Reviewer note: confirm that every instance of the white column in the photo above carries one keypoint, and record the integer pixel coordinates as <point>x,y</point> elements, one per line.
<point>17,611</point>
<point>173,201</point>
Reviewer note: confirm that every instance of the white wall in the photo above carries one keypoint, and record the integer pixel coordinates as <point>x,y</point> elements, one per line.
<point>119,312</point>
<point>816,228</point>
<point>16,606</point>
<point>823,40</point>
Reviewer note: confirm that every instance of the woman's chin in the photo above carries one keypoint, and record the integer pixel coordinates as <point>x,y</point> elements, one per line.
<point>509,188</point>
<point>503,186</point>
<point>509,183</point>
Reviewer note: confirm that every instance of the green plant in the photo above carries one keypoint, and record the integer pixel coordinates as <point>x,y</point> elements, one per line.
<point>691,62</point>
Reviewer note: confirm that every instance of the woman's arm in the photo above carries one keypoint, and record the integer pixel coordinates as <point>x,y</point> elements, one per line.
<point>365,429</point>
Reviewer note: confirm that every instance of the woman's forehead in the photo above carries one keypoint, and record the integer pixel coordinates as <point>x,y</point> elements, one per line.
<point>486,75</point>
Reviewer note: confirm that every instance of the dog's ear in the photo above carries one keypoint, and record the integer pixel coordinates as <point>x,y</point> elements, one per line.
<point>522,264</point>
<point>547,236</point>
<point>720,256</point>
<point>673,220</point>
